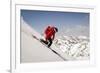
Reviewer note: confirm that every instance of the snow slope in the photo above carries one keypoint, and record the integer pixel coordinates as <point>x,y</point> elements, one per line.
<point>31,49</point>
<point>69,47</point>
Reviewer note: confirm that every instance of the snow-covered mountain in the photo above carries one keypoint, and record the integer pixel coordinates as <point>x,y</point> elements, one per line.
<point>31,49</point>
<point>75,48</point>
<point>69,47</point>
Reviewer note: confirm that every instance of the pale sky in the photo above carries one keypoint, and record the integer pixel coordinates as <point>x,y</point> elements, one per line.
<point>68,23</point>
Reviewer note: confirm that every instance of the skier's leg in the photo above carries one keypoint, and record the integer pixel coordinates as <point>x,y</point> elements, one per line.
<point>50,42</point>
<point>43,41</point>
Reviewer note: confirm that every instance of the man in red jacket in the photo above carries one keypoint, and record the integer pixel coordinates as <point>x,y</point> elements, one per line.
<point>49,35</point>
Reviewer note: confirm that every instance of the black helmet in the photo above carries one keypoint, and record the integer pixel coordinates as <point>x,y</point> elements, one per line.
<point>56,29</point>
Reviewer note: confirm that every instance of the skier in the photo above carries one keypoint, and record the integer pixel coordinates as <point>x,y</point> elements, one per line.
<point>49,35</point>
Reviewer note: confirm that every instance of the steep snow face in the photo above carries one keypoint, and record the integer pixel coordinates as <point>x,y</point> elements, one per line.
<point>69,47</point>
<point>31,49</point>
<point>28,29</point>
<point>75,48</point>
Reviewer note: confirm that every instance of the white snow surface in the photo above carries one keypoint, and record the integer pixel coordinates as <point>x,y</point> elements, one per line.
<point>75,48</point>
<point>31,49</point>
<point>69,47</point>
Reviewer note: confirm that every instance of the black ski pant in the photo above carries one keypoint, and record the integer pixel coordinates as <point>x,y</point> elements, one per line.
<point>48,42</point>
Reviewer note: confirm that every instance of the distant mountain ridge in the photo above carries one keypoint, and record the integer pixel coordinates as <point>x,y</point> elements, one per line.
<point>74,47</point>
<point>69,47</point>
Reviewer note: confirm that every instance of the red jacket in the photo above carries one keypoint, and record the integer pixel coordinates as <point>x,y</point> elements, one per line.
<point>49,33</point>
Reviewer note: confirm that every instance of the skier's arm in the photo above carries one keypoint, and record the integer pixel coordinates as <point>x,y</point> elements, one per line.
<point>53,37</point>
<point>46,30</point>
